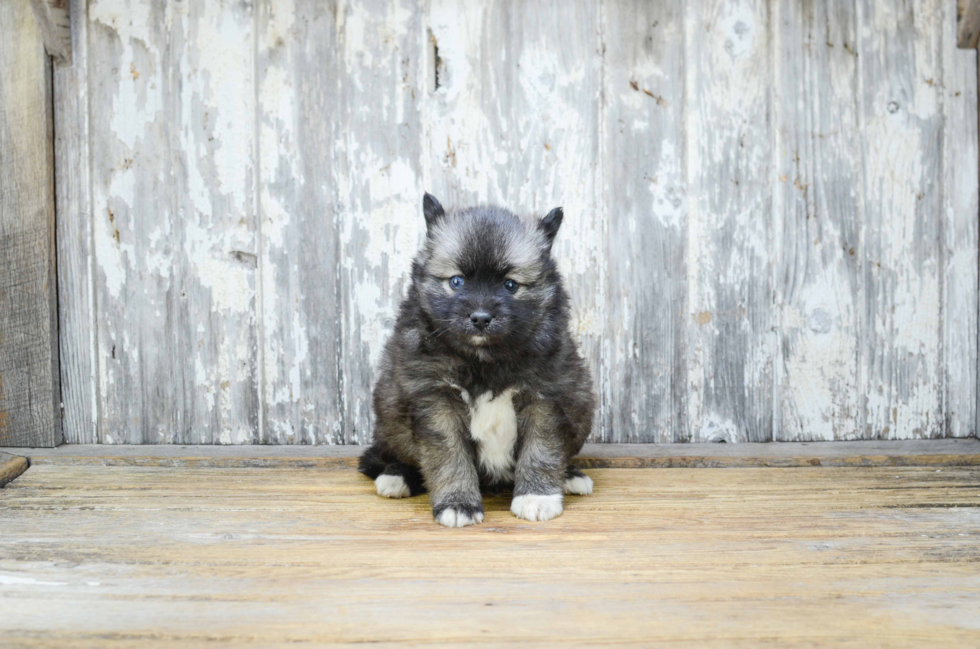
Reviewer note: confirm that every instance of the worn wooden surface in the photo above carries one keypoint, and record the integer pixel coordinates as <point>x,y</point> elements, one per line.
<point>959,234</point>
<point>54,22</point>
<point>809,557</point>
<point>73,205</point>
<point>644,374</point>
<point>929,452</point>
<point>771,208</point>
<point>29,394</point>
<point>12,466</point>
<point>967,23</point>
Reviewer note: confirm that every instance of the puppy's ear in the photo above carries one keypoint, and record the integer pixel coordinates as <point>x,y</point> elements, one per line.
<point>550,224</point>
<point>433,211</point>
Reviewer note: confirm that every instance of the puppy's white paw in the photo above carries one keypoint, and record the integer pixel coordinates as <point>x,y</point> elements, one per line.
<point>392,486</point>
<point>455,518</point>
<point>532,507</point>
<point>579,485</point>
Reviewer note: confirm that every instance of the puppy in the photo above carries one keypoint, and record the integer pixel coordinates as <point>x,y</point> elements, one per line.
<point>481,384</point>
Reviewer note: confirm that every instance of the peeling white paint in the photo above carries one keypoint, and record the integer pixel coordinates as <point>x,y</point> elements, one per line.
<point>764,318</point>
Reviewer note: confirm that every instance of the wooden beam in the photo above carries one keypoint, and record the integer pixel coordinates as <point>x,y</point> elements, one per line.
<point>926,452</point>
<point>54,22</point>
<point>29,382</point>
<point>11,466</point>
<point>967,23</point>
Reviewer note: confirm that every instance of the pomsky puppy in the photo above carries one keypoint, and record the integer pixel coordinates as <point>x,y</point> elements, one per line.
<point>481,384</point>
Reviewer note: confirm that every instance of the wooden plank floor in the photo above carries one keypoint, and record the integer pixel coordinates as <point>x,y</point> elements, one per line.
<point>162,556</point>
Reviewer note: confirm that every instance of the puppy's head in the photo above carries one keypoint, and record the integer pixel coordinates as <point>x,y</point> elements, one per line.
<point>487,278</point>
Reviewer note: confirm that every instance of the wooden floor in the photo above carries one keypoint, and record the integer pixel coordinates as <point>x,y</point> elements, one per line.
<point>114,556</point>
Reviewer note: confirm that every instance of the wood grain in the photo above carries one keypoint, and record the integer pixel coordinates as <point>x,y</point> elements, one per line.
<point>967,23</point>
<point>808,557</point>
<point>11,466</point>
<point>900,59</point>
<point>730,320</point>
<point>961,152</point>
<point>771,208</point>
<point>54,22</point>
<point>298,112</point>
<point>644,384</point>
<point>817,217</point>
<point>927,452</point>
<point>76,259</point>
<point>172,117</point>
<point>29,391</point>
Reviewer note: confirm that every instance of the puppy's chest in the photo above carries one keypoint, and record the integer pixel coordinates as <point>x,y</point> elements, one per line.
<point>493,426</point>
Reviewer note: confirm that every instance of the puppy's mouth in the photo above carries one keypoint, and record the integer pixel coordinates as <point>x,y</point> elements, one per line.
<point>479,340</point>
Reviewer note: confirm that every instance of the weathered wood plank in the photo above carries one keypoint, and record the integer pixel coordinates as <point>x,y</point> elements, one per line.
<point>298,122</point>
<point>133,215</point>
<point>54,22</point>
<point>29,390</point>
<point>967,23</point>
<point>380,180</point>
<point>515,121</point>
<point>817,219</point>
<point>928,452</point>
<point>818,557</point>
<point>73,206</point>
<point>960,214</point>
<point>11,466</point>
<point>174,222</point>
<point>645,389</point>
<point>729,173</point>
<point>900,63</point>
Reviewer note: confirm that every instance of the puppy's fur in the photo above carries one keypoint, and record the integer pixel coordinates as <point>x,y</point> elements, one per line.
<point>481,384</point>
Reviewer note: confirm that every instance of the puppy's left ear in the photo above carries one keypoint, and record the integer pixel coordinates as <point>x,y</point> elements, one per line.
<point>433,211</point>
<point>550,224</point>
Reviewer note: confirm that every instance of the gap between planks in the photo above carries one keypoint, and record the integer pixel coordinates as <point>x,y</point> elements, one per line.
<point>937,452</point>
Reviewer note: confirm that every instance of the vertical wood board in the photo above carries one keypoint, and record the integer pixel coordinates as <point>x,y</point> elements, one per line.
<point>961,149</point>
<point>298,111</point>
<point>76,259</point>
<point>173,220</point>
<point>29,375</point>
<point>644,192</point>
<point>817,222</point>
<point>728,160</point>
<point>900,62</point>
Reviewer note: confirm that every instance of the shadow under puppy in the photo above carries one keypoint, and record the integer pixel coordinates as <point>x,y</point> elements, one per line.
<point>481,384</point>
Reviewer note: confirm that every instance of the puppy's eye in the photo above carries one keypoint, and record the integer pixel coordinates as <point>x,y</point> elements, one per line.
<point>511,285</point>
<point>456,282</point>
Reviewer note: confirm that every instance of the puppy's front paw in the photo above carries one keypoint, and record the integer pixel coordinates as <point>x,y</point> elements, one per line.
<point>392,486</point>
<point>458,515</point>
<point>532,507</point>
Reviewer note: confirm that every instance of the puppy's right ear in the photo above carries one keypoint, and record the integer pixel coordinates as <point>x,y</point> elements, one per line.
<point>433,211</point>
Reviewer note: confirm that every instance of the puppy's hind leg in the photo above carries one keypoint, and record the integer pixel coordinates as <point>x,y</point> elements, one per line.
<point>576,482</point>
<point>399,480</point>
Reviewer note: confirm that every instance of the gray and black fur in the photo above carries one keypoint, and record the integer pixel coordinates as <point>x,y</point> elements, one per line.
<point>485,326</point>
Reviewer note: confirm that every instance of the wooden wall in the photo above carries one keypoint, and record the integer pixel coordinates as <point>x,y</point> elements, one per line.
<point>771,207</point>
<point>29,394</point>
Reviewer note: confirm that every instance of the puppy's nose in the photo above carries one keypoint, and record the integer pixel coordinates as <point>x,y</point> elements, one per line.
<point>480,319</point>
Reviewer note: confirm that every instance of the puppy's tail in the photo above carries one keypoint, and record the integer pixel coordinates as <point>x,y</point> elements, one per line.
<point>371,464</point>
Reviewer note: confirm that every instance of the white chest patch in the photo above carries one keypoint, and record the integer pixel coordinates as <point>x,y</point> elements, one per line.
<point>493,424</point>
